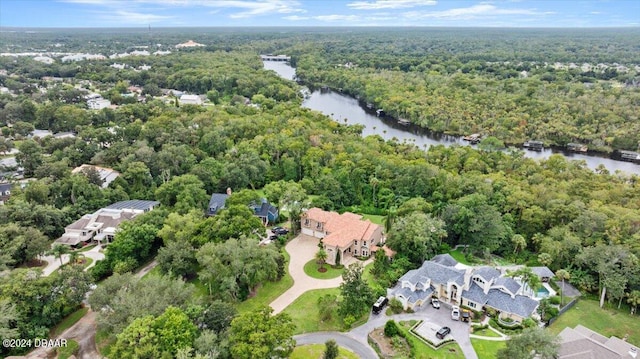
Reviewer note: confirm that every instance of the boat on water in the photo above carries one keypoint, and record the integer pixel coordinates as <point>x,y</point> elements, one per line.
<point>577,147</point>
<point>534,145</point>
<point>380,112</point>
<point>629,156</point>
<point>404,121</point>
<point>474,138</point>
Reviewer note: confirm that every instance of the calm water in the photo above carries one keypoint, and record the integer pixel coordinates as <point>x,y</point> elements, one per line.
<point>341,107</point>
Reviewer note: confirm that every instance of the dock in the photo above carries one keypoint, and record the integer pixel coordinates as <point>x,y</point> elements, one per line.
<point>281,58</point>
<point>474,138</point>
<point>404,122</point>
<point>534,145</point>
<point>629,156</point>
<point>577,147</point>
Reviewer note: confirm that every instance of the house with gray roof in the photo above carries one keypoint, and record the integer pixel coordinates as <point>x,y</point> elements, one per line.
<point>582,342</point>
<point>475,287</point>
<point>217,202</point>
<point>543,273</point>
<point>5,192</point>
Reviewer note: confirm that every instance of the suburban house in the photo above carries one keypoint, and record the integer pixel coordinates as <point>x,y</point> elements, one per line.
<point>475,287</point>
<point>107,175</point>
<point>189,43</point>
<point>5,192</point>
<point>347,233</point>
<point>263,210</point>
<point>98,103</point>
<point>581,342</point>
<point>102,225</point>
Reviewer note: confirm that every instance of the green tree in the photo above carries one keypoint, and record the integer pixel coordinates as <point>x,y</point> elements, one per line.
<point>528,278</point>
<point>417,236</point>
<point>519,242</point>
<point>177,260</point>
<point>184,193</point>
<point>29,157</point>
<point>232,222</point>
<point>59,250</point>
<point>133,242</point>
<point>321,257</point>
<point>217,316</point>
<point>532,343</point>
<point>331,350</point>
<point>8,316</point>
<point>356,294</point>
<point>259,335</point>
<point>633,298</point>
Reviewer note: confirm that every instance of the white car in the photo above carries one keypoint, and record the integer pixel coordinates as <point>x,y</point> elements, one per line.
<point>455,313</point>
<point>435,303</point>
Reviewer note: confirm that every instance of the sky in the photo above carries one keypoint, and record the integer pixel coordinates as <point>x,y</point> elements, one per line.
<point>190,13</point>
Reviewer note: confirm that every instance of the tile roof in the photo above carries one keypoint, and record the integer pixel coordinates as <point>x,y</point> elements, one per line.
<point>508,283</point>
<point>582,343</point>
<point>412,296</point>
<point>437,272</point>
<point>520,305</point>
<point>475,294</point>
<point>343,228</point>
<point>487,273</point>
<point>445,259</point>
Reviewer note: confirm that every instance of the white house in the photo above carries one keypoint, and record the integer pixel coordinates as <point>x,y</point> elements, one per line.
<point>190,100</point>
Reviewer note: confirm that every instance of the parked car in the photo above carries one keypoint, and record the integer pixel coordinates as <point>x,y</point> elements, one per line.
<point>279,231</point>
<point>435,303</point>
<point>379,305</point>
<point>466,315</point>
<point>443,332</point>
<point>455,313</point>
<point>273,238</point>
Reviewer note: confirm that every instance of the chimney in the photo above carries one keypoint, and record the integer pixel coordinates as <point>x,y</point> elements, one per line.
<point>228,191</point>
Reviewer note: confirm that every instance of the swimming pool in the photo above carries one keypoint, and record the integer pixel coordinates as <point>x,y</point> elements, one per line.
<point>542,293</point>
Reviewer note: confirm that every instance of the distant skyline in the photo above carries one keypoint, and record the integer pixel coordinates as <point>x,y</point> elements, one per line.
<point>190,13</point>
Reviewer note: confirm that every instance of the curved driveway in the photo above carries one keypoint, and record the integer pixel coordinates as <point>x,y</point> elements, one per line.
<point>53,263</point>
<point>344,340</point>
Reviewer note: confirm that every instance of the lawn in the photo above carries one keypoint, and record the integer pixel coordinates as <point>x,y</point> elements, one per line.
<point>377,219</point>
<point>67,351</point>
<point>486,333</point>
<point>424,351</point>
<point>316,351</point>
<point>607,322</point>
<point>487,349</point>
<point>311,269</point>
<point>304,312</point>
<point>67,322</point>
<point>366,273</point>
<point>268,292</point>
<point>459,256</point>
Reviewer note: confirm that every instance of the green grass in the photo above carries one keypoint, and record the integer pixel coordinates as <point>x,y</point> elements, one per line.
<point>268,292</point>
<point>154,272</point>
<point>86,248</point>
<point>424,351</point>
<point>459,256</point>
<point>305,315</point>
<point>201,289</point>
<point>70,349</point>
<point>377,219</point>
<point>67,322</point>
<point>366,273</point>
<point>311,269</point>
<point>487,349</point>
<point>607,322</point>
<point>316,351</point>
<point>104,342</point>
<point>486,333</point>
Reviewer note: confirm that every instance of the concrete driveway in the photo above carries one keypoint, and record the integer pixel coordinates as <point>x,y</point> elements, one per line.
<point>53,263</point>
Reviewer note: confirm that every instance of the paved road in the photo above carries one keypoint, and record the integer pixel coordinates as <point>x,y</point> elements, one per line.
<point>459,330</point>
<point>363,351</point>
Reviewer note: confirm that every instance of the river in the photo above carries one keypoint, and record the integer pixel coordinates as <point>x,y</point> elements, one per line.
<point>341,107</point>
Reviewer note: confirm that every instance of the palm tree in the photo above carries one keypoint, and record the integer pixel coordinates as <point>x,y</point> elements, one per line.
<point>58,251</point>
<point>562,274</point>
<point>73,257</point>
<point>321,257</point>
<point>527,277</point>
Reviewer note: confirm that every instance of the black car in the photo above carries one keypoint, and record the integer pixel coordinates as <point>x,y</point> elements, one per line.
<point>279,231</point>
<point>443,332</point>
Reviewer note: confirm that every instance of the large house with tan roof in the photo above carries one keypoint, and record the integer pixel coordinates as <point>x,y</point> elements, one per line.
<point>346,233</point>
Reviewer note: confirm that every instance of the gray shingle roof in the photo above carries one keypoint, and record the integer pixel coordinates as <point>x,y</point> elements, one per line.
<point>411,296</point>
<point>5,187</point>
<point>264,208</point>
<point>438,273</point>
<point>216,203</point>
<point>487,273</point>
<point>134,204</point>
<point>445,259</point>
<point>475,294</point>
<point>509,283</point>
<point>542,272</point>
<point>520,305</point>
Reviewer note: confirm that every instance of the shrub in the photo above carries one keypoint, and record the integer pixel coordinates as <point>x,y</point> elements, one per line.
<point>391,329</point>
<point>348,321</point>
<point>395,305</point>
<point>529,323</point>
<point>554,300</point>
<point>101,270</point>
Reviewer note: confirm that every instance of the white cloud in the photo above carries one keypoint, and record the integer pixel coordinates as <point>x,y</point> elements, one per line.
<point>331,18</point>
<point>254,8</point>
<point>472,12</point>
<point>389,4</point>
<point>296,18</point>
<point>595,13</point>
